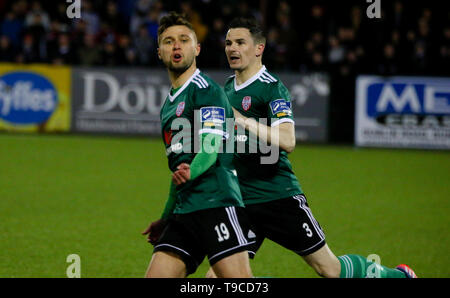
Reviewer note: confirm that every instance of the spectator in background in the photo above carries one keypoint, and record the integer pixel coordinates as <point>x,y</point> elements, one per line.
<point>36,12</point>
<point>20,7</point>
<point>148,13</point>
<point>36,28</point>
<point>113,19</point>
<point>214,44</point>
<point>59,14</point>
<point>78,31</point>
<point>317,62</point>
<point>28,52</point>
<point>195,19</point>
<point>420,59</point>
<point>137,19</point>
<point>243,10</point>
<point>7,52</point>
<point>398,18</point>
<point>287,53</point>
<point>63,53</point>
<point>90,17</point>
<point>444,53</point>
<point>389,63</point>
<point>152,23</point>
<point>109,52</point>
<point>145,47</point>
<point>271,49</point>
<point>336,53</point>
<point>143,5</point>
<point>11,27</point>
<point>89,53</point>
<point>226,12</point>
<point>316,20</point>
<point>126,54</point>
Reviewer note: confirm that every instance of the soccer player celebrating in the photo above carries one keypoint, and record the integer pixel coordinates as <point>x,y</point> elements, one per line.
<point>275,202</point>
<point>203,216</point>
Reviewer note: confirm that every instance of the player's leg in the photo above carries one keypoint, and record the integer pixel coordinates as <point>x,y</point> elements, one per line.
<point>324,262</point>
<point>226,241</point>
<point>234,266</point>
<point>356,266</point>
<point>253,234</point>
<point>166,264</point>
<point>177,252</point>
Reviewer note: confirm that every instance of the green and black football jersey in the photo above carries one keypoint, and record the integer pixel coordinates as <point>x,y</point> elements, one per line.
<point>199,107</point>
<point>264,98</point>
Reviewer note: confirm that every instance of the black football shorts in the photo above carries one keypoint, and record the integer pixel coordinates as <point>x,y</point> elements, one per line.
<point>215,233</point>
<point>288,222</point>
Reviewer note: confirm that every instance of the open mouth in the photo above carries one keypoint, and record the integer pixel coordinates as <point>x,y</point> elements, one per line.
<point>177,57</point>
<point>234,58</point>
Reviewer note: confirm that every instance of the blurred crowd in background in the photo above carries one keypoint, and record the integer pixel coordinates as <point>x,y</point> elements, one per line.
<point>302,36</point>
<point>335,37</point>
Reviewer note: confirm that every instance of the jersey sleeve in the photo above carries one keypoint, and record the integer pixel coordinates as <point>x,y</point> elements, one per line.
<point>213,110</point>
<point>279,104</point>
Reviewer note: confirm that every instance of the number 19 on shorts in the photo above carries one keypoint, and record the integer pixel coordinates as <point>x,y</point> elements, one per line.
<point>222,232</point>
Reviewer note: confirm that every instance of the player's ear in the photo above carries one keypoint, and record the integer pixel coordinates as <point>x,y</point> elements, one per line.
<point>159,53</point>
<point>197,49</point>
<point>260,49</point>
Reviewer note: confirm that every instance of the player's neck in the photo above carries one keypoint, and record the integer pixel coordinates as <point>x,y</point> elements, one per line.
<point>244,75</point>
<point>178,79</point>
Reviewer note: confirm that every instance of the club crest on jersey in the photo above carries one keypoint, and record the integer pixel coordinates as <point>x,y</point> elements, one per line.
<point>246,103</point>
<point>180,109</point>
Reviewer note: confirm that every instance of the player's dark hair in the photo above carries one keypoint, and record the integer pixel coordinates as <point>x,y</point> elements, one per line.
<point>252,25</point>
<point>173,19</point>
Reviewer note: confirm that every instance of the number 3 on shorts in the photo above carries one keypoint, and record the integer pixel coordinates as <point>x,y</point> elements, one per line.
<point>307,229</point>
<point>222,232</point>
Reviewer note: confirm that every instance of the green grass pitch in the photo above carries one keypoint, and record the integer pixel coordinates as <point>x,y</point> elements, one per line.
<point>92,196</point>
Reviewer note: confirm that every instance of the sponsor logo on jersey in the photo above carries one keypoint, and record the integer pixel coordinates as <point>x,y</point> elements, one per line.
<point>280,106</point>
<point>212,115</point>
<point>246,103</point>
<point>26,98</point>
<point>180,109</point>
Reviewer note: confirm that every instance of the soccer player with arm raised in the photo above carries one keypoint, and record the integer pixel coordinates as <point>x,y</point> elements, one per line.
<point>275,202</point>
<point>204,214</point>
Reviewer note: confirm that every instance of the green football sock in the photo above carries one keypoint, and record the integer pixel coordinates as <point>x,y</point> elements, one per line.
<point>354,266</point>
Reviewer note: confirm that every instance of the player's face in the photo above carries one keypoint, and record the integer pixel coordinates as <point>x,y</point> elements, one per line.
<point>241,49</point>
<point>178,48</point>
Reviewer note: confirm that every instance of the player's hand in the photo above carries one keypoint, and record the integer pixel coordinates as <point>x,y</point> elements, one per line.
<point>154,230</point>
<point>182,174</point>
